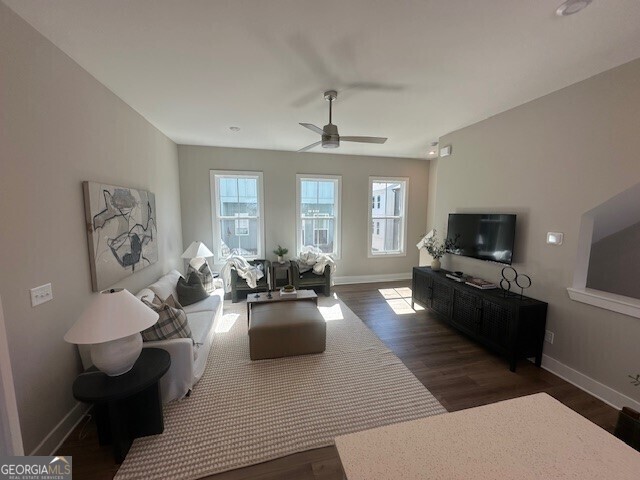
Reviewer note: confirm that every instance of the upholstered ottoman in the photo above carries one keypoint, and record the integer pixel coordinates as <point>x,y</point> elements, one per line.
<point>284,329</point>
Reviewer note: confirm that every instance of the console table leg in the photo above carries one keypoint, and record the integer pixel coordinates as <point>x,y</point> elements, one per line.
<point>539,359</point>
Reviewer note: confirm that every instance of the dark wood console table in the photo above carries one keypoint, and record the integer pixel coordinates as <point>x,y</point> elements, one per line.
<point>127,406</point>
<point>510,326</point>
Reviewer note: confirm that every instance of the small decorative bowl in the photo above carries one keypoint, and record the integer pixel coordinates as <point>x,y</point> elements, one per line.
<point>288,288</point>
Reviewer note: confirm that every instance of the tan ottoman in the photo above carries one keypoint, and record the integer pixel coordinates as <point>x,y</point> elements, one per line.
<point>284,329</point>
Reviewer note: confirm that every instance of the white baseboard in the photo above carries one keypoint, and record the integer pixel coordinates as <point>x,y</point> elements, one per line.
<point>390,277</point>
<point>50,444</point>
<point>607,394</point>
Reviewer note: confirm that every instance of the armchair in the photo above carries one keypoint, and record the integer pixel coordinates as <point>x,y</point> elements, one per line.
<point>310,279</point>
<point>239,284</point>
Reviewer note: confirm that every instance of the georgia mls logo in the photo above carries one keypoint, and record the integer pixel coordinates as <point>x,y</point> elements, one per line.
<point>62,463</point>
<point>35,468</point>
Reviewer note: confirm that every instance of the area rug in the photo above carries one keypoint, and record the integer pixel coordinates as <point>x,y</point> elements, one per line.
<point>243,412</point>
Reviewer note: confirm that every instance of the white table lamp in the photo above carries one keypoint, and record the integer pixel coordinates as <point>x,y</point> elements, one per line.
<point>111,324</point>
<point>197,250</point>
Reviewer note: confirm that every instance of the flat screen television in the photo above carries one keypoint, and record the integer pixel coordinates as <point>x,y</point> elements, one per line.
<point>482,236</point>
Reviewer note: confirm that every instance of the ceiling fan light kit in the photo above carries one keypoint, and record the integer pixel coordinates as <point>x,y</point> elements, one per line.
<point>330,138</point>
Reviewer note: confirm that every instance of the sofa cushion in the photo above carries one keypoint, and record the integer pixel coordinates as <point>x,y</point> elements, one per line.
<point>209,304</point>
<point>166,285</point>
<point>172,321</point>
<point>205,274</point>
<point>145,293</point>
<point>200,324</point>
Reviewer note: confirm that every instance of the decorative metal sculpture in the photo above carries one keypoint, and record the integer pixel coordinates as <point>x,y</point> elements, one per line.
<point>510,275</point>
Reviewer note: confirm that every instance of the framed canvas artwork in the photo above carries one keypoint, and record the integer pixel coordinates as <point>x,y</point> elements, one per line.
<point>121,232</point>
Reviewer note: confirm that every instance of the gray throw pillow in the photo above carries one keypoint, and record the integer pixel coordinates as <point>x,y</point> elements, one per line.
<point>190,291</point>
<point>205,274</point>
<point>172,321</point>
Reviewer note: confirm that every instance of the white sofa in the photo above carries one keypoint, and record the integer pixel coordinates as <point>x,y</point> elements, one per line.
<point>188,358</point>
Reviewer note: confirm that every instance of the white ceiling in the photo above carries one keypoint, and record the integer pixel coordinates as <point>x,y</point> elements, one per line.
<point>194,68</point>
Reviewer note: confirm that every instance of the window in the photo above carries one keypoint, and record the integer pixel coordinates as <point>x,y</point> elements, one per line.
<point>387,216</point>
<point>318,212</point>
<point>242,226</point>
<point>236,203</point>
<point>321,236</point>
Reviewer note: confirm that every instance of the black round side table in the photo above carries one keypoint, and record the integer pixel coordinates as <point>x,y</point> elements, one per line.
<point>127,406</point>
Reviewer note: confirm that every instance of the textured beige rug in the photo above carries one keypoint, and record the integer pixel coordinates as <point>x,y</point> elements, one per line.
<point>243,412</point>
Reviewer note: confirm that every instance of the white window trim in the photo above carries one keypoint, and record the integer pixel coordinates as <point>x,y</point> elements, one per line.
<point>215,219</point>
<point>598,298</point>
<point>405,219</point>
<point>338,214</point>
<point>237,227</point>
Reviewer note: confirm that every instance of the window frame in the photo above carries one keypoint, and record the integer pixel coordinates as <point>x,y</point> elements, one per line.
<point>403,216</point>
<point>337,217</point>
<point>214,176</point>
<point>243,218</point>
<point>316,232</point>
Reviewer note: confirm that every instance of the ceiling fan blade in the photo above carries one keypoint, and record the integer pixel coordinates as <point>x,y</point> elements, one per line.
<point>306,99</point>
<point>364,139</point>
<point>313,128</point>
<point>309,147</point>
<point>389,87</point>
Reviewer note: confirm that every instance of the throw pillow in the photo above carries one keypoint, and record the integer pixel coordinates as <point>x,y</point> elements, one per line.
<point>205,274</point>
<point>171,301</point>
<point>190,291</point>
<point>172,321</point>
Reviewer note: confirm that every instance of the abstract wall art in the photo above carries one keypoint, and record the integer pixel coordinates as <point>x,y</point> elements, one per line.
<point>121,232</point>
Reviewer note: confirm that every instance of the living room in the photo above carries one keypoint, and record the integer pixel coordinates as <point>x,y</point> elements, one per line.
<point>501,108</point>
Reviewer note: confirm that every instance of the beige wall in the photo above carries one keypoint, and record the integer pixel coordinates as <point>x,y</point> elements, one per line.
<point>279,178</point>
<point>549,161</point>
<point>614,263</point>
<point>58,127</point>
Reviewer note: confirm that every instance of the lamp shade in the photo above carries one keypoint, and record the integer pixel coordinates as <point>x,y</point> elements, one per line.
<point>197,249</point>
<point>113,314</point>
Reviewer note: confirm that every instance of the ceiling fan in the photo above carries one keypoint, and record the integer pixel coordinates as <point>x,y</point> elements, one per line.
<point>330,136</point>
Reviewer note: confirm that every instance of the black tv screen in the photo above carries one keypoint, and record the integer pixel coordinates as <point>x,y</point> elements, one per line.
<point>482,236</point>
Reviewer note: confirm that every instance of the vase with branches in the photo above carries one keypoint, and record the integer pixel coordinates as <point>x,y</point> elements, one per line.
<point>437,249</point>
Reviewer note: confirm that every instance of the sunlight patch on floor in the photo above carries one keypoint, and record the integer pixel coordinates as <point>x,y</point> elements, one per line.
<point>405,292</point>
<point>332,313</point>
<point>389,293</point>
<point>399,299</point>
<point>226,322</point>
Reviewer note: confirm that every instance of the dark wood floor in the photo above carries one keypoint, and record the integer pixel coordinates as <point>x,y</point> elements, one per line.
<point>458,372</point>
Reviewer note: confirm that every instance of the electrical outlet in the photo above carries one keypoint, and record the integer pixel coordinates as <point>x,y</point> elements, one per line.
<point>548,336</point>
<point>41,294</point>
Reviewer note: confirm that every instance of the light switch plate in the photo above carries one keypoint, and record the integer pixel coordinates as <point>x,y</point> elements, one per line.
<point>41,294</point>
<point>555,238</point>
